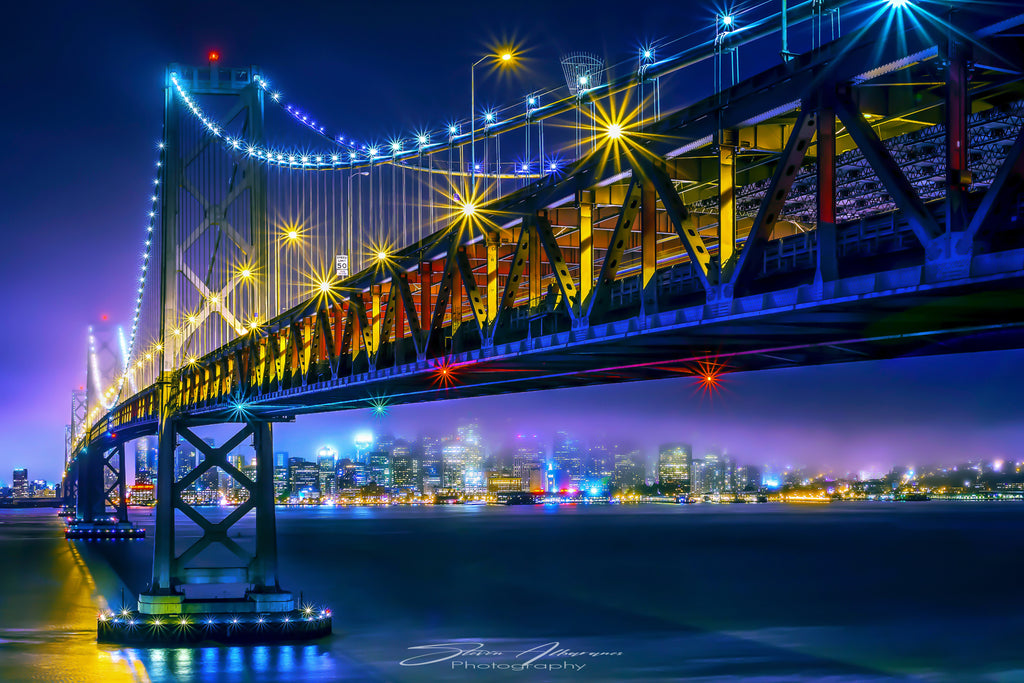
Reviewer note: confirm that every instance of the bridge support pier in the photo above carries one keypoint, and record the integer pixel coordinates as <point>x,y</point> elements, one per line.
<point>261,611</point>
<point>92,520</point>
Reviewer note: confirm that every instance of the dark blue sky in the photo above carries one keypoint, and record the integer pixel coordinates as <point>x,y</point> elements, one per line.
<point>82,113</point>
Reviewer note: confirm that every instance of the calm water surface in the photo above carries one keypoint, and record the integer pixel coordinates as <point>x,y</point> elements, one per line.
<point>848,592</point>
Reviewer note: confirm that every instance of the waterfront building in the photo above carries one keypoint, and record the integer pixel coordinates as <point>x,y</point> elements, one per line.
<point>142,494</point>
<point>503,481</point>
<point>280,479</point>
<point>304,478</point>
<point>674,465</point>
<point>20,482</point>
<point>185,460</point>
<point>145,459</point>
<point>327,461</point>
<point>527,458</point>
<point>363,443</point>
<point>748,478</point>
<point>453,472</point>
<point>568,460</point>
<point>433,462</point>
<point>379,468</point>
<point>630,471</point>
<point>600,462</point>
<point>405,467</point>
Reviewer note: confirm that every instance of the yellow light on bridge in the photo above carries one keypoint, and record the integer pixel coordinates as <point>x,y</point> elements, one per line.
<point>246,273</point>
<point>176,332</point>
<point>506,57</point>
<point>382,255</point>
<point>468,209</point>
<point>292,234</point>
<point>324,286</point>
<point>192,319</point>
<point>614,131</point>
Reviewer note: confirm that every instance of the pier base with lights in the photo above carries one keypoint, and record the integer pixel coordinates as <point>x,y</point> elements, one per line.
<point>103,531</point>
<point>170,613</point>
<point>227,621</point>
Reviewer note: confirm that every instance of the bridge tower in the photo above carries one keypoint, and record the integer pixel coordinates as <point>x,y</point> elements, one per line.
<point>96,483</point>
<point>215,240</point>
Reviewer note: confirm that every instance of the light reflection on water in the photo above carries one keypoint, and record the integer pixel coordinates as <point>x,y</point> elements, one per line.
<point>750,592</point>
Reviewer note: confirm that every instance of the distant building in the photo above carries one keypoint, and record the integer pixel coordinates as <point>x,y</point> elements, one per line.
<point>601,462</point>
<point>405,468</point>
<point>185,460</point>
<point>326,461</point>
<point>629,468</point>
<point>453,472</point>
<point>20,483</point>
<point>379,468</point>
<point>280,479</point>
<point>568,460</point>
<point>145,460</point>
<point>526,459</point>
<point>304,478</point>
<point>674,465</point>
<point>748,478</point>
<point>714,475</point>
<point>141,494</point>
<point>503,481</point>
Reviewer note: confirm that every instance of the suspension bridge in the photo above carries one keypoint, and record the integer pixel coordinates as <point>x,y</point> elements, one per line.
<point>859,196</point>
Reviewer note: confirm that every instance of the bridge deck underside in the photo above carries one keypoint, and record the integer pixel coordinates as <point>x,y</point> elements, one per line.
<point>977,316</point>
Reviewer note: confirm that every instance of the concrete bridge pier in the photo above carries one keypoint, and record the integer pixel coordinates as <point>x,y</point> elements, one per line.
<point>99,471</point>
<point>262,611</point>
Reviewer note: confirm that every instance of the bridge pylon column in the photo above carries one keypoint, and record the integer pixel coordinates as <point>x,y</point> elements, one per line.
<point>174,573</point>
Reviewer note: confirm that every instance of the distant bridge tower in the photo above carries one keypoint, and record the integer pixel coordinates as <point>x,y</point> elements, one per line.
<point>104,364</point>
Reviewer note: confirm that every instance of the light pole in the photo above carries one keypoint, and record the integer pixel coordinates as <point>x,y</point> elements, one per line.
<point>348,240</point>
<point>505,58</point>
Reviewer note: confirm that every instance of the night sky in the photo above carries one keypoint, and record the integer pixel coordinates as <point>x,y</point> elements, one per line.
<point>82,115</point>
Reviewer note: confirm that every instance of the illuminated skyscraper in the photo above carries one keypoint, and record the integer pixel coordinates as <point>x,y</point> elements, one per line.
<point>600,462</point>
<point>379,468</point>
<point>405,467</point>
<point>363,443</point>
<point>674,465</point>
<point>145,460</point>
<point>185,460</point>
<point>568,460</point>
<point>748,478</point>
<point>629,468</point>
<point>453,472</point>
<point>304,478</point>
<point>527,459</point>
<point>20,483</point>
<point>326,461</point>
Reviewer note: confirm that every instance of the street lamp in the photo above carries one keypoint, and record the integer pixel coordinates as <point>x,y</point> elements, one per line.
<point>506,57</point>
